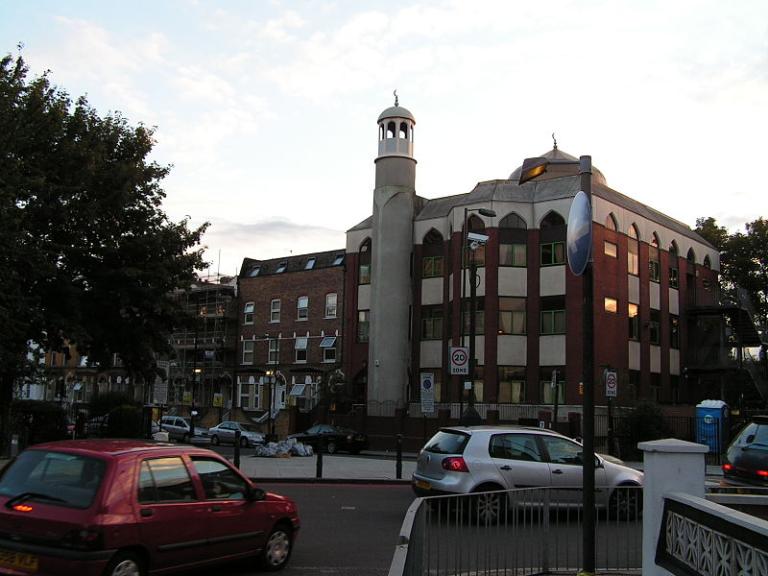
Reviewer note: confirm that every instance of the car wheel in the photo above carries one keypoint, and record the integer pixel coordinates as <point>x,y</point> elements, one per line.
<point>215,440</point>
<point>331,447</point>
<point>487,505</point>
<point>626,503</point>
<point>125,564</point>
<point>277,549</point>
<point>243,441</point>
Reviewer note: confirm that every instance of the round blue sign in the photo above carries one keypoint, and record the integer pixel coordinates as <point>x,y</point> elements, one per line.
<point>579,236</point>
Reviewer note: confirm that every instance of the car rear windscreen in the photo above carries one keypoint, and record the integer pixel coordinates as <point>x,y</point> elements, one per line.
<point>54,477</point>
<point>447,442</point>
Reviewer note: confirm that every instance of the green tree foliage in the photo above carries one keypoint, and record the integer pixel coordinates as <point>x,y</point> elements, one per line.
<point>743,260</point>
<point>87,253</point>
<point>645,422</point>
<point>34,421</point>
<point>716,235</point>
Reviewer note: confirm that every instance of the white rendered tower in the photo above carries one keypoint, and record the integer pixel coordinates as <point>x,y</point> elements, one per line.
<point>394,199</point>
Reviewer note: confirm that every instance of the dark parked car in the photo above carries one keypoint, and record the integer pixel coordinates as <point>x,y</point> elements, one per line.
<point>746,460</point>
<point>332,439</point>
<point>120,507</point>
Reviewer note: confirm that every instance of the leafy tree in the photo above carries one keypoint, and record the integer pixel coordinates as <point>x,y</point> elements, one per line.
<point>712,233</point>
<point>87,253</point>
<point>747,264</point>
<point>743,260</point>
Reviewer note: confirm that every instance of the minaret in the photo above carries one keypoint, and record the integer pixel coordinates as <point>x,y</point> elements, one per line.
<point>394,201</point>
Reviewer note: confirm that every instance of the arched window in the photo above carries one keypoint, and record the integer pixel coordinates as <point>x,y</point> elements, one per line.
<point>432,259</point>
<point>610,222</point>
<point>391,130</point>
<point>513,236</point>
<point>512,220</point>
<point>691,257</point>
<point>551,220</point>
<point>403,131</point>
<point>674,273</point>
<point>633,251</point>
<point>364,263</point>
<point>552,240</point>
<point>654,271</point>
<point>707,262</point>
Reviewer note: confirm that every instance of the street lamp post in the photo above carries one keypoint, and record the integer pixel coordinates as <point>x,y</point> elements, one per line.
<point>470,416</point>
<point>271,376</point>
<point>579,260</point>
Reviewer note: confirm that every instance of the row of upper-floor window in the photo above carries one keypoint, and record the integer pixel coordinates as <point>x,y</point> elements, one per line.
<point>514,254</point>
<point>512,319</point>
<point>551,254</point>
<point>302,309</point>
<point>302,347</point>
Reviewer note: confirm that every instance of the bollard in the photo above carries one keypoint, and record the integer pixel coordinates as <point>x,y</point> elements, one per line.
<point>399,461</point>
<point>319,461</point>
<point>14,445</point>
<point>237,448</point>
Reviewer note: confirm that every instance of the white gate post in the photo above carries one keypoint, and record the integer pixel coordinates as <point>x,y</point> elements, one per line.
<point>670,465</point>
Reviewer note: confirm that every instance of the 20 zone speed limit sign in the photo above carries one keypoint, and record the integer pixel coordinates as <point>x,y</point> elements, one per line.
<point>459,360</point>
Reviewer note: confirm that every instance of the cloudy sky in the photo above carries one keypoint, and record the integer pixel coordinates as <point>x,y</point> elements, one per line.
<point>267,109</point>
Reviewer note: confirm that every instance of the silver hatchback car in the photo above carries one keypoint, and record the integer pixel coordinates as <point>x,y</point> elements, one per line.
<point>489,459</point>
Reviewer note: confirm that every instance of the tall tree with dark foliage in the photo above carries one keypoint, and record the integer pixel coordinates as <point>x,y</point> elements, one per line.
<point>87,254</point>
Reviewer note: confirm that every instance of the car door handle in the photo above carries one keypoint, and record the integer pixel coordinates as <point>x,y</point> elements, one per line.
<point>557,471</point>
<point>506,467</point>
<point>147,512</point>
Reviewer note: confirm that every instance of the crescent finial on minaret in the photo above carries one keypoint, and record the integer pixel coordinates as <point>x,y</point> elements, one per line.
<point>397,102</point>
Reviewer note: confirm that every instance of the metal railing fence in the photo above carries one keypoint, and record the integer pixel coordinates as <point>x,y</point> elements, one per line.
<point>529,531</point>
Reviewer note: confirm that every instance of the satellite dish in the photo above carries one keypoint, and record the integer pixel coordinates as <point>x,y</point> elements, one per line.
<point>579,237</point>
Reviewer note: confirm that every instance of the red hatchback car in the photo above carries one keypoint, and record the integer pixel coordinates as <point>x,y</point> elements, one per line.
<point>129,507</point>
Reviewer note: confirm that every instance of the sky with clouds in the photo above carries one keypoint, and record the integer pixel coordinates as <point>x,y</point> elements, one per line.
<point>267,109</point>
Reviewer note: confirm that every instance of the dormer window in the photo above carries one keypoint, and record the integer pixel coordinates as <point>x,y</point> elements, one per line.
<point>338,260</point>
<point>310,264</point>
<point>281,267</point>
<point>254,271</point>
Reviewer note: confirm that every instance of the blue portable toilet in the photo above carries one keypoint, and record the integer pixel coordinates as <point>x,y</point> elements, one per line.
<point>712,424</point>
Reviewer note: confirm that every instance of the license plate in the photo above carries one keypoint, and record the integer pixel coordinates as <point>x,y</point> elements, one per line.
<point>18,560</point>
<point>423,485</point>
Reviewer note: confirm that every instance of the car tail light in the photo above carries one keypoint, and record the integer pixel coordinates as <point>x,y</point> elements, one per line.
<point>83,539</point>
<point>727,467</point>
<point>22,507</point>
<point>762,473</point>
<point>455,464</point>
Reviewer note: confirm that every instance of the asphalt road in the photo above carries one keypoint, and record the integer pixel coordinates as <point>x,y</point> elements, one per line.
<point>347,529</point>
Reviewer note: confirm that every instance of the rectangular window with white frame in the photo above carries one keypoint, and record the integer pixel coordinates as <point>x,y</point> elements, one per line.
<point>328,346</point>
<point>274,310</point>
<point>302,308</point>
<point>301,350</point>
<point>331,305</point>
<point>274,351</point>
<point>248,351</point>
<point>248,313</point>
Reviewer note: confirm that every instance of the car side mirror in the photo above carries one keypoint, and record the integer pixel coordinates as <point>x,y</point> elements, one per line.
<point>256,494</point>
